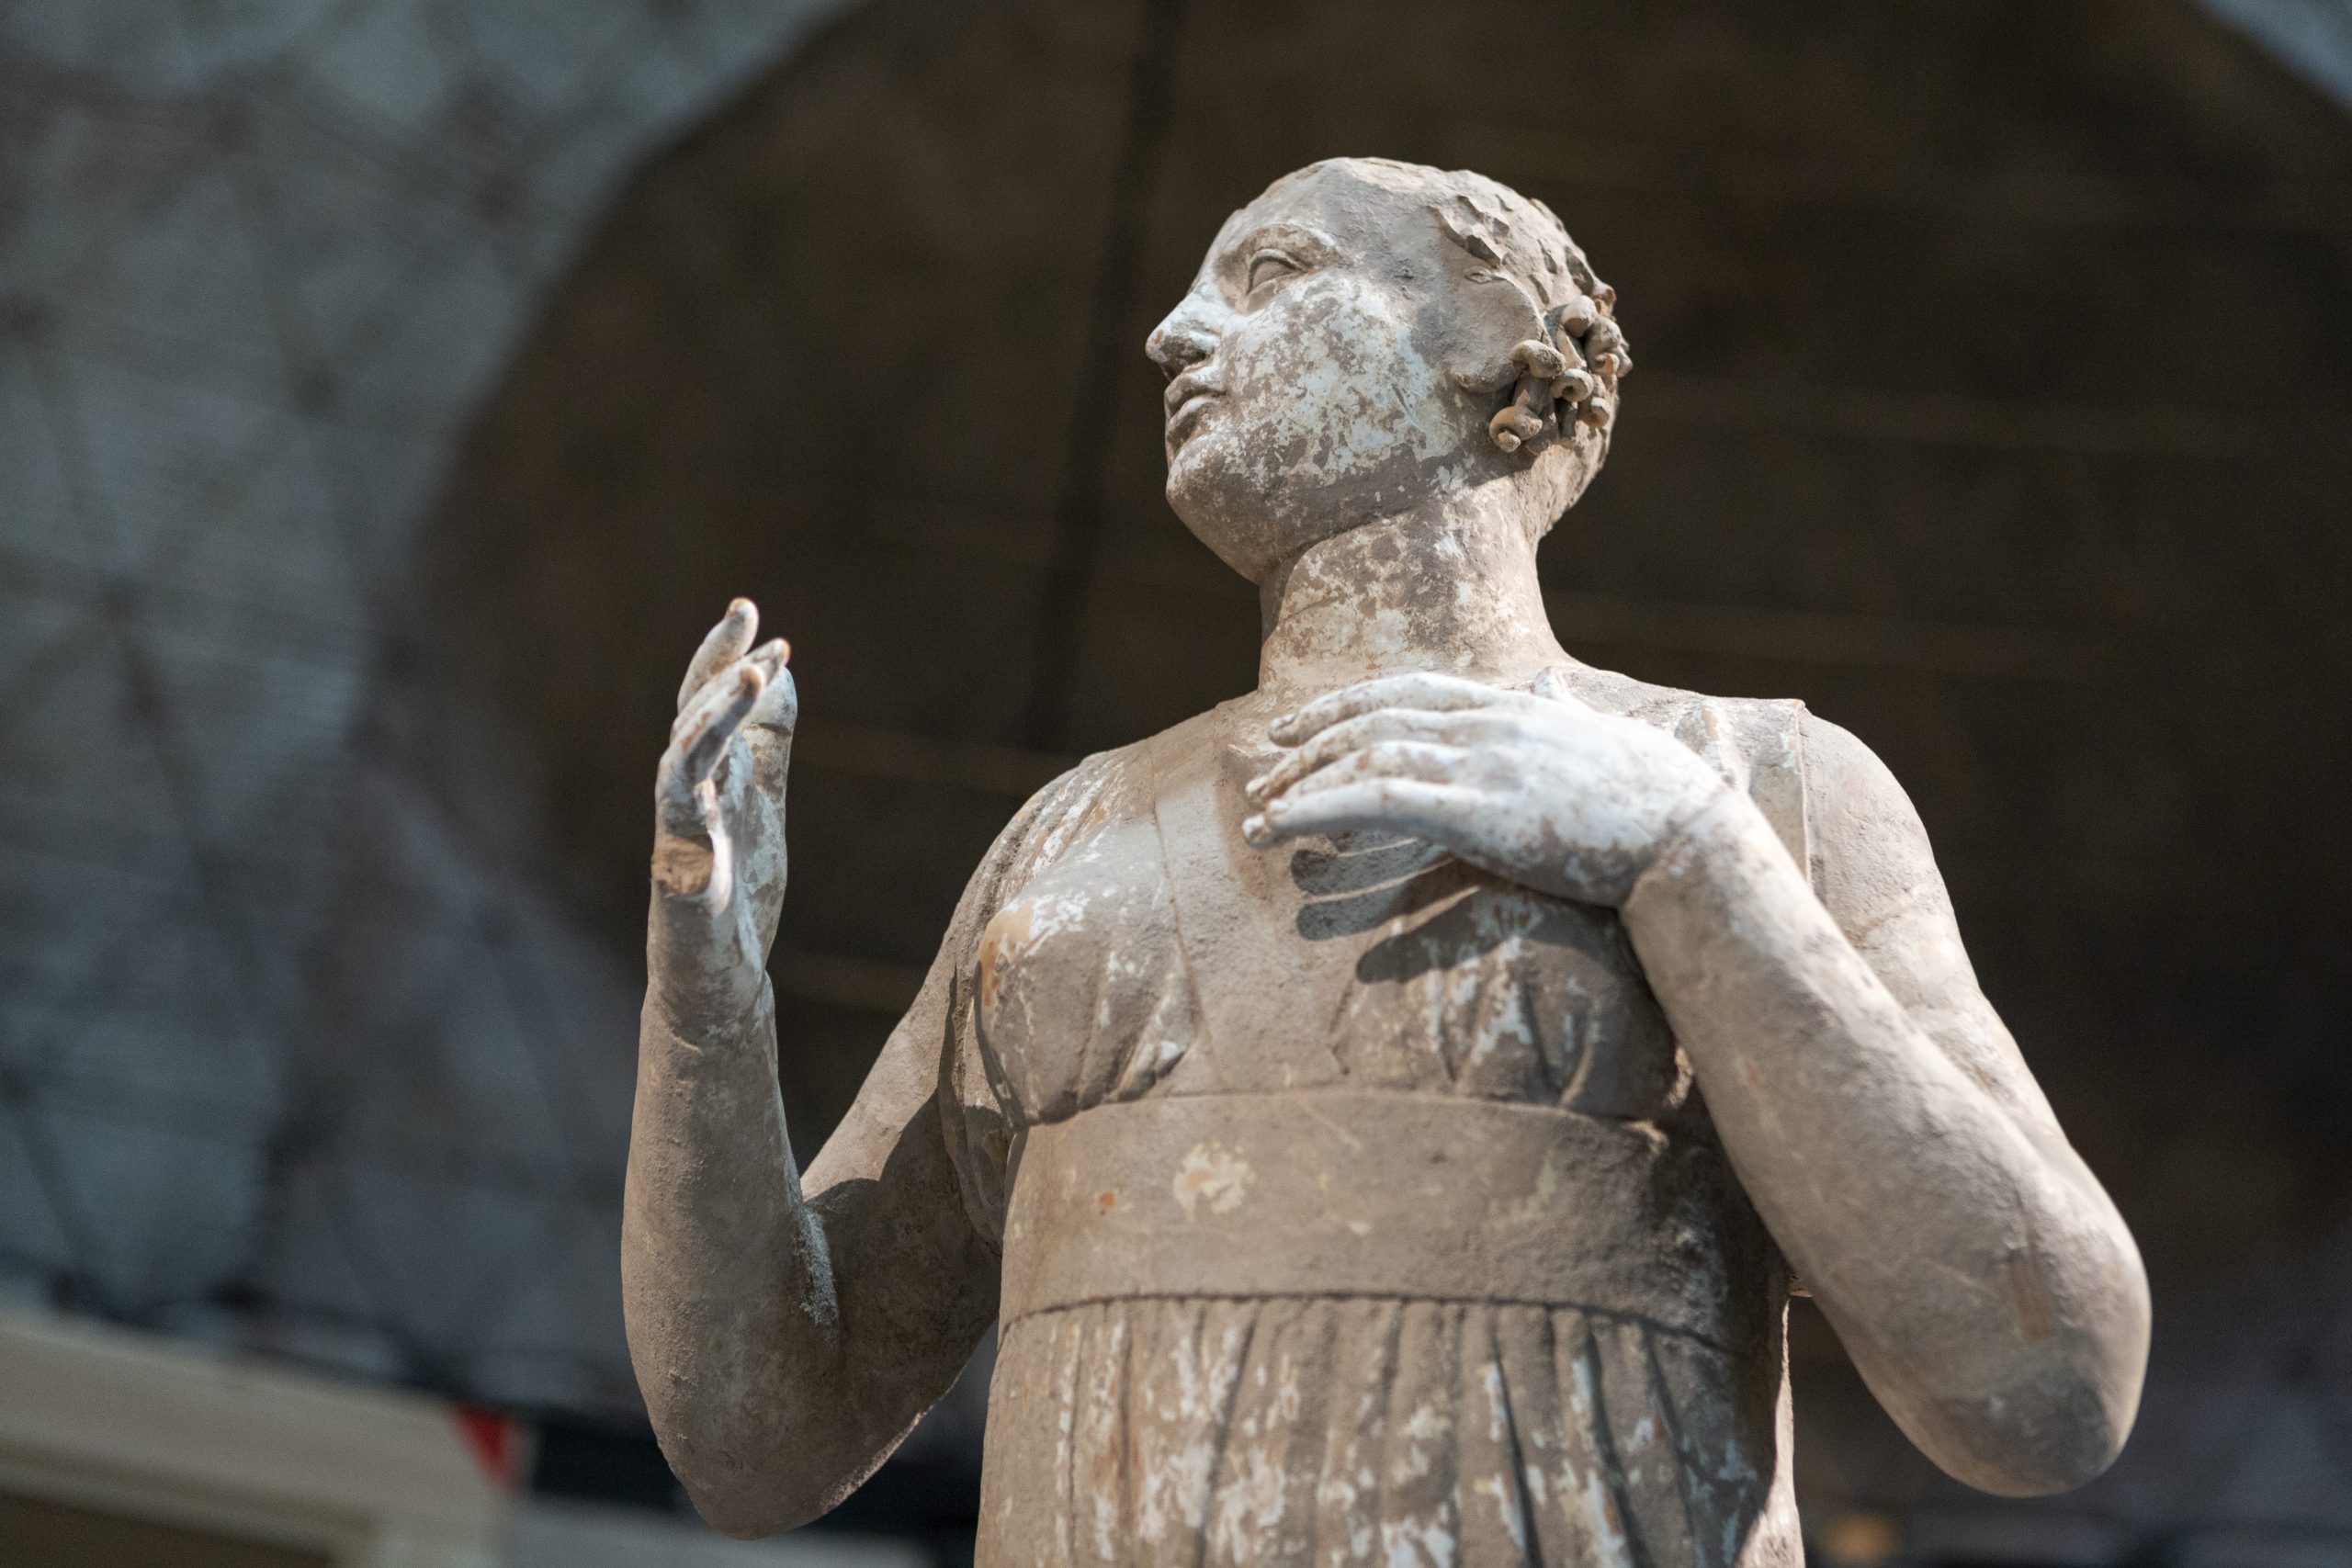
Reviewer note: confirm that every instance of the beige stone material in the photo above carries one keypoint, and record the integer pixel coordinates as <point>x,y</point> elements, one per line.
<point>1385,1111</point>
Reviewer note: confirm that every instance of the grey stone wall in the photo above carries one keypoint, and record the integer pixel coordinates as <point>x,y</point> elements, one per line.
<point>281,1058</point>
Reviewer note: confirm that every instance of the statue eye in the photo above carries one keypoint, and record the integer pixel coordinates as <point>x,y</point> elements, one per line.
<point>1267,266</point>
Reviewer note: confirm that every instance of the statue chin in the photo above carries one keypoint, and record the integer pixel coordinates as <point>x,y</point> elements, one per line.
<point>1227,512</point>
<point>1255,514</point>
<point>1255,517</point>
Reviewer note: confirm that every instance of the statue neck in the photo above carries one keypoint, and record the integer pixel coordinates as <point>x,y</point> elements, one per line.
<point>1450,586</point>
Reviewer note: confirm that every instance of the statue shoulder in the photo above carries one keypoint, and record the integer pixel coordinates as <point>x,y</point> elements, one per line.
<point>1758,744</point>
<point>1101,789</point>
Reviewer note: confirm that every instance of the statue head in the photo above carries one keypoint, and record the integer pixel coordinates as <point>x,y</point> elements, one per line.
<point>1367,336</point>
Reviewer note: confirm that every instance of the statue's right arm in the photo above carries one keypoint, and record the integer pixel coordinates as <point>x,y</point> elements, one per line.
<point>787,1329</point>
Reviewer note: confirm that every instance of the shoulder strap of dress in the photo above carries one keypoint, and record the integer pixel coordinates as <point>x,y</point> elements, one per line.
<point>1198,850</point>
<point>1773,736</point>
<point>1236,911</point>
<point>1757,745</point>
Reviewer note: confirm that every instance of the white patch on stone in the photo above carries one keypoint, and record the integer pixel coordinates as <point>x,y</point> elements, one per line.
<point>1213,1175</point>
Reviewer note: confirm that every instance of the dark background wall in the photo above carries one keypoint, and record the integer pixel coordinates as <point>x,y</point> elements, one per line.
<point>1995,362</point>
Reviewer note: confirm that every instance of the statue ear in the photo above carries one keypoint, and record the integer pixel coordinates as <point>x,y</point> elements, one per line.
<point>1491,321</point>
<point>1490,310</point>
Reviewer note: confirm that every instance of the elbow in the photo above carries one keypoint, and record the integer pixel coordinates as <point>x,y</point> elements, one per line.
<point>752,1481</point>
<point>2057,1414</point>
<point>2052,1435</point>
<point>738,1517</point>
<point>751,1500</point>
<point>750,1513</point>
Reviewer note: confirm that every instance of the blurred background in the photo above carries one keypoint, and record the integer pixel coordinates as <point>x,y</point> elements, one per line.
<point>392,390</point>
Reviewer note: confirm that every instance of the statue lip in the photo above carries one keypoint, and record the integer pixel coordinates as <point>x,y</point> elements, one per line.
<point>1186,395</point>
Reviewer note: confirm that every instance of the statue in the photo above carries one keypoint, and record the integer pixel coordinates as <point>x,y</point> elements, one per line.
<point>1387,1114</point>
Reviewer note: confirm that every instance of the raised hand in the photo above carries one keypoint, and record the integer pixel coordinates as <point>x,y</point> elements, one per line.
<point>1536,787</point>
<point>719,856</point>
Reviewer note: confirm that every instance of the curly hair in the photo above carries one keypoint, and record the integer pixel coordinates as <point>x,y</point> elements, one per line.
<point>1560,381</point>
<point>1569,373</point>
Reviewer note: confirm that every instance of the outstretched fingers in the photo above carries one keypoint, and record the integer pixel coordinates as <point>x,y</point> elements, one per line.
<point>698,741</point>
<point>720,717</point>
<point>722,646</point>
<point>1428,762</point>
<point>778,706</point>
<point>1425,691</point>
<point>1452,730</point>
<point>1412,807</point>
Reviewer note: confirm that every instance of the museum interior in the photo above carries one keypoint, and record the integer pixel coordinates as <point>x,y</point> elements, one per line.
<point>391,391</point>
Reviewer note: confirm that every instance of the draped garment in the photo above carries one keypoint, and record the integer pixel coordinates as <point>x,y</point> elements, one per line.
<point>1205,1397</point>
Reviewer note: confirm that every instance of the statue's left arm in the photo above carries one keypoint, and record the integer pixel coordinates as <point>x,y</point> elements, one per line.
<point>1878,1113</point>
<point>1884,1123</point>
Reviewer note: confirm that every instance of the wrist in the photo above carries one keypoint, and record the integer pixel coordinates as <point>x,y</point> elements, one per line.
<point>1724,827</point>
<point>707,1019</point>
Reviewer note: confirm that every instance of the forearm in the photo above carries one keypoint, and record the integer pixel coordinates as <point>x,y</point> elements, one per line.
<point>784,1340</point>
<point>728,1290</point>
<point>1981,1280</point>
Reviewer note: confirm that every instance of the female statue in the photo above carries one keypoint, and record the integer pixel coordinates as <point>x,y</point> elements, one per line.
<point>1386,1114</point>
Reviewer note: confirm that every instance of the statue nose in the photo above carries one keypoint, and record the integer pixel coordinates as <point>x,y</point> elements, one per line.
<point>1177,345</point>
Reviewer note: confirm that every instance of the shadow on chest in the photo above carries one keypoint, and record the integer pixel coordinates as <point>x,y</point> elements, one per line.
<point>1355,961</point>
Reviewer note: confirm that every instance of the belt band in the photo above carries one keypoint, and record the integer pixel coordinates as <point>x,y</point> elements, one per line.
<point>1384,1194</point>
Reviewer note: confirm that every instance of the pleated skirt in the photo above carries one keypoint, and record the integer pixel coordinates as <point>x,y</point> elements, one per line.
<point>1314,1433</point>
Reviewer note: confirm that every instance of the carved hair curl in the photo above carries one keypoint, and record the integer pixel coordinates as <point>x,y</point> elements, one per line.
<point>1569,367</point>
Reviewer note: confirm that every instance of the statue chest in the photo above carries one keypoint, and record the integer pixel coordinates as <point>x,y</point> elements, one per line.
<point>1341,965</point>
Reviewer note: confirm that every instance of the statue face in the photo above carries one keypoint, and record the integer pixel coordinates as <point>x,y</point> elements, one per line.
<point>1315,368</point>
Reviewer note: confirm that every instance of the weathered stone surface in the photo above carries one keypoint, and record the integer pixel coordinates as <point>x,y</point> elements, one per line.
<point>1433,887</point>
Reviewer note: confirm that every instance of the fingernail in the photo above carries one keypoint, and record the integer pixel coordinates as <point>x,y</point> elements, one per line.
<point>1281,729</point>
<point>738,606</point>
<point>1255,833</point>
